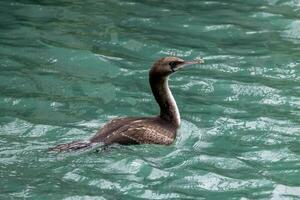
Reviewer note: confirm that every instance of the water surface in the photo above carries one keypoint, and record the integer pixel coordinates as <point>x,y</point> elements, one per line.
<point>66,67</point>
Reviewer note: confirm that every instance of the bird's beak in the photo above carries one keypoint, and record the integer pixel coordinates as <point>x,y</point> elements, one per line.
<point>199,61</point>
<point>188,63</point>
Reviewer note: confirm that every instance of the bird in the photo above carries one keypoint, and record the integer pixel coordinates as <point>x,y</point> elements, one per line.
<point>160,129</point>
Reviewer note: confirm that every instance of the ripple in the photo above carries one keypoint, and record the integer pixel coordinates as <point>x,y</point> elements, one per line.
<point>282,191</point>
<point>271,156</point>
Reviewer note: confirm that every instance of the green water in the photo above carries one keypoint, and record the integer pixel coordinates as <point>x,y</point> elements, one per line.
<point>66,67</point>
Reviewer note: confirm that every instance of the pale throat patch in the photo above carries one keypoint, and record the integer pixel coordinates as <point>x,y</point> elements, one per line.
<point>173,103</point>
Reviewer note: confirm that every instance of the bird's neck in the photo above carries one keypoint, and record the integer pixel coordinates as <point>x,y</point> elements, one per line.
<point>163,95</point>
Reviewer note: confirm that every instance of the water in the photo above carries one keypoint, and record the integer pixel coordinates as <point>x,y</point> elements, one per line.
<point>69,66</point>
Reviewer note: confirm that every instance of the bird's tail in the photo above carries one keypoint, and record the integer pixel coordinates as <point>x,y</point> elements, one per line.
<point>72,146</point>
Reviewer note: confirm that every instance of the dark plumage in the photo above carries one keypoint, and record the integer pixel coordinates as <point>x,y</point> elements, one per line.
<point>144,130</point>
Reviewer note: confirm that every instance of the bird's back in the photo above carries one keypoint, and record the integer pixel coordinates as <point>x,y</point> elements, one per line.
<point>136,130</point>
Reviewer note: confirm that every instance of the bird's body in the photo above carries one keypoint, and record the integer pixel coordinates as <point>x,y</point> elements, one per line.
<point>136,130</point>
<point>160,129</point>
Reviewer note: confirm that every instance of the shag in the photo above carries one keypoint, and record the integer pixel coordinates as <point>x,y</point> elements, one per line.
<point>159,129</point>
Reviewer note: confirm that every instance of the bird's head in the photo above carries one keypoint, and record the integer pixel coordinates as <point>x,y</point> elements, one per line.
<point>168,65</point>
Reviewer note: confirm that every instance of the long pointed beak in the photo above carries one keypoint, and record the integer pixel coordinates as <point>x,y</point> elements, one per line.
<point>188,63</point>
<point>193,62</point>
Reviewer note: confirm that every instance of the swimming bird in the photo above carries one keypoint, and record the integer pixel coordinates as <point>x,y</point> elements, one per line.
<point>159,129</point>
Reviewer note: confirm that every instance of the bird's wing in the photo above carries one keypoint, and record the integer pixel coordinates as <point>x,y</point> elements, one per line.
<point>135,133</point>
<point>110,127</point>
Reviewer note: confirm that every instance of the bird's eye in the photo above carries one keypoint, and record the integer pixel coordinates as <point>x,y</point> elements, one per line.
<point>173,64</point>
